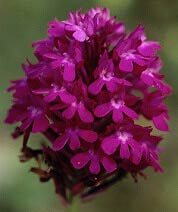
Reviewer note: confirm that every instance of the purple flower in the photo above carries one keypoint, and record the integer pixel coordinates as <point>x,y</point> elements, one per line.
<point>153,108</point>
<point>151,77</point>
<point>54,92</point>
<point>127,51</point>
<point>62,62</point>
<point>149,150</point>
<point>80,160</point>
<point>84,114</point>
<point>106,77</point>
<point>20,87</point>
<point>90,84</point>
<point>118,108</point>
<point>149,48</point>
<point>32,116</point>
<point>56,29</point>
<point>73,136</point>
<point>129,148</point>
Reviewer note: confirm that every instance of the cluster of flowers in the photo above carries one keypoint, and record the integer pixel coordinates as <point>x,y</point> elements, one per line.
<point>90,83</point>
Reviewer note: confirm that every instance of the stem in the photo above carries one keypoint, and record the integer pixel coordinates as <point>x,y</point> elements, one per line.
<point>74,206</point>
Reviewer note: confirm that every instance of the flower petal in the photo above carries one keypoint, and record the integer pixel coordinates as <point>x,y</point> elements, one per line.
<point>110,144</point>
<point>112,85</point>
<point>40,124</point>
<point>109,164</point>
<point>69,72</point>
<point>160,122</point>
<point>94,166</point>
<point>155,164</point>
<point>124,151</point>
<point>80,160</point>
<point>84,114</point>
<point>74,141</point>
<point>163,87</point>
<point>66,97</point>
<point>149,48</point>
<point>25,124</point>
<point>96,86</point>
<point>136,151</point>
<point>80,35</point>
<point>126,65</point>
<point>103,110</point>
<point>147,78</point>
<point>122,82</point>
<point>117,115</point>
<point>69,112</point>
<point>55,64</point>
<point>130,113</point>
<point>51,96</point>
<point>60,142</point>
<point>88,135</point>
<point>41,91</point>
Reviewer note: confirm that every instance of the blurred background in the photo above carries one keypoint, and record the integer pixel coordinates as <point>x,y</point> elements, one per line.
<point>24,21</point>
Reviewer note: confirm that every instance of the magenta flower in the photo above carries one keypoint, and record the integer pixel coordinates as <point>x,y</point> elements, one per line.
<point>55,91</point>
<point>129,148</point>
<point>153,108</point>
<point>106,77</point>
<point>126,50</point>
<point>80,160</point>
<point>151,77</point>
<point>74,135</point>
<point>84,114</point>
<point>118,108</point>
<point>85,94</point>
<point>31,113</point>
<point>62,62</point>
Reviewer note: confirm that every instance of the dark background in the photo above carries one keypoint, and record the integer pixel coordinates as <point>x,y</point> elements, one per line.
<point>24,21</point>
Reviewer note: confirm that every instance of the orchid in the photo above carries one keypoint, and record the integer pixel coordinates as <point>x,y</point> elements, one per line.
<point>86,94</point>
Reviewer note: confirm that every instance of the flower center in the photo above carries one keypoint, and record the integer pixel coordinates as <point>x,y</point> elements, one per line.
<point>106,76</point>
<point>117,103</point>
<point>72,130</point>
<point>149,72</point>
<point>91,152</point>
<point>74,104</point>
<point>128,55</point>
<point>123,136</point>
<point>55,88</point>
<point>34,111</point>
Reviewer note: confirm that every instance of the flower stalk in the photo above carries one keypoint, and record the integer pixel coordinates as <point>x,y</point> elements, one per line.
<point>74,206</point>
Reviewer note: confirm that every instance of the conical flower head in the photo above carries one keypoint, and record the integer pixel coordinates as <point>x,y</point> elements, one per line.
<point>86,93</point>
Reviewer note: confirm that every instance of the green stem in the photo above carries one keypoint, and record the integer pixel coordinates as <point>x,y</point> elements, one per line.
<point>74,206</point>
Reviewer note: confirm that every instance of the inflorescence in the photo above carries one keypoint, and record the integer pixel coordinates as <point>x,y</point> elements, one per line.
<point>91,84</point>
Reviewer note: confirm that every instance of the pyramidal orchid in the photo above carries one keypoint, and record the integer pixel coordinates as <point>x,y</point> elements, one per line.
<point>86,93</point>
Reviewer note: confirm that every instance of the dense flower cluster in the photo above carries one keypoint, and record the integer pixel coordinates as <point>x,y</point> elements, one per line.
<point>90,84</point>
